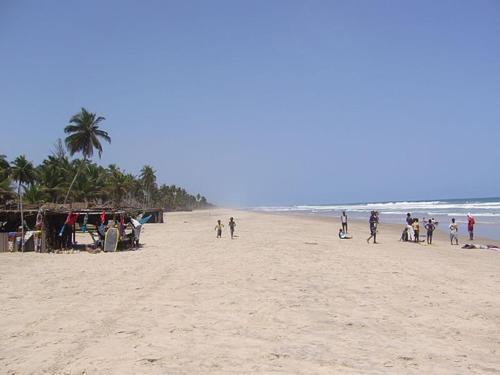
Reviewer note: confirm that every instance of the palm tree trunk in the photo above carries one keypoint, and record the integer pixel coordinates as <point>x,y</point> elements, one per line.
<point>22,215</point>
<point>74,179</point>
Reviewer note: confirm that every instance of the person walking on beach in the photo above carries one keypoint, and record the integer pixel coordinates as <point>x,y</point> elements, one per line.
<point>430,227</point>
<point>218,229</point>
<point>373,227</point>
<point>470,226</point>
<point>453,231</point>
<point>232,225</point>
<point>343,220</point>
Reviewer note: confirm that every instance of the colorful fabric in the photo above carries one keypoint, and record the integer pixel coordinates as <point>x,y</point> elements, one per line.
<point>470,223</point>
<point>71,218</point>
<point>85,221</point>
<point>144,220</point>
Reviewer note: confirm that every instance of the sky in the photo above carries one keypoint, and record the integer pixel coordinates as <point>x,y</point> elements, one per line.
<point>269,102</point>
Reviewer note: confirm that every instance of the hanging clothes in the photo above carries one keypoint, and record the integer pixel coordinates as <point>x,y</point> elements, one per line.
<point>39,220</point>
<point>67,229</point>
<point>122,225</point>
<point>85,221</point>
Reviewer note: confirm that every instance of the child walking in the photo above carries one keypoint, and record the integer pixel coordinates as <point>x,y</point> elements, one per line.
<point>218,229</point>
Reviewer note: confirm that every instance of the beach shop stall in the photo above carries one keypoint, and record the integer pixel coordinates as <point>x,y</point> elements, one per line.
<point>11,231</point>
<point>55,228</point>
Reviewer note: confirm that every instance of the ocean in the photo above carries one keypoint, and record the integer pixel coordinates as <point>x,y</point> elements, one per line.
<point>486,212</point>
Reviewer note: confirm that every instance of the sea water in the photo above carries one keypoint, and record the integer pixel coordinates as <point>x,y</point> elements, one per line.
<point>486,212</point>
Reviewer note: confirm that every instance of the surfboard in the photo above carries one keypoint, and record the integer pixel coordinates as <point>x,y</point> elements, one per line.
<point>144,220</point>
<point>111,239</point>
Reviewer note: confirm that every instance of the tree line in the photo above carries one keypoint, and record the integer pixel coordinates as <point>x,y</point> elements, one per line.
<point>59,178</point>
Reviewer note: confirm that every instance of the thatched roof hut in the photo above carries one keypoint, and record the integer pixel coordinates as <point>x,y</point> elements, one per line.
<point>54,217</point>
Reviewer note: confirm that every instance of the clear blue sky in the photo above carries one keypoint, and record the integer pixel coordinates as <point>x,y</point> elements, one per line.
<point>266,102</point>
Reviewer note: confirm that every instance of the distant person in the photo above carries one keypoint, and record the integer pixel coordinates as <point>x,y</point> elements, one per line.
<point>416,230</point>
<point>430,227</point>
<point>453,231</point>
<point>409,227</point>
<point>218,229</point>
<point>232,225</point>
<point>343,220</point>
<point>470,226</point>
<point>343,235</point>
<point>67,230</point>
<point>373,227</point>
<point>404,235</point>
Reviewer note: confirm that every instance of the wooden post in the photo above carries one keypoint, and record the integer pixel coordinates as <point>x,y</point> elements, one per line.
<point>22,218</point>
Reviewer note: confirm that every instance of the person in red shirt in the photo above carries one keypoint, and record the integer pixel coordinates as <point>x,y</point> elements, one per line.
<point>67,229</point>
<point>470,226</point>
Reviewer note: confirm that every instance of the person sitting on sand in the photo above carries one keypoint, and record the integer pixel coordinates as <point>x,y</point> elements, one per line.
<point>343,235</point>
<point>218,228</point>
<point>404,235</point>
<point>430,227</point>
<point>453,231</point>
<point>232,225</point>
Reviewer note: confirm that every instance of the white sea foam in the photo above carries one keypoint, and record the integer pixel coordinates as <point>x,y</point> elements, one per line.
<point>428,208</point>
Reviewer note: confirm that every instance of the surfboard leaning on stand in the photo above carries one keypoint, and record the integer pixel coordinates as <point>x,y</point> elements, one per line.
<point>111,240</point>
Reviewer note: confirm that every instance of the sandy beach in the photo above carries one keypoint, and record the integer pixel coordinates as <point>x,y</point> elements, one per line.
<point>286,296</point>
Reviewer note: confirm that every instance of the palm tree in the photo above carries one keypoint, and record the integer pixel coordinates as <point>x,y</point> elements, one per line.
<point>148,178</point>
<point>35,194</point>
<point>5,190</point>
<point>84,136</point>
<point>23,172</point>
<point>119,184</point>
<point>4,167</point>
<point>52,175</point>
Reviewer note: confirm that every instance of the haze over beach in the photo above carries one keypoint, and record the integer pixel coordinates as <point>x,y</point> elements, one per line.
<point>173,175</point>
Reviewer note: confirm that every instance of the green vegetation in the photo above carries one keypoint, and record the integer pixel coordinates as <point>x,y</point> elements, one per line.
<point>58,179</point>
<point>84,136</point>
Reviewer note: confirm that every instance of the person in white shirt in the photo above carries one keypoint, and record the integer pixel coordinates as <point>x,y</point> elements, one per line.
<point>453,231</point>
<point>343,220</point>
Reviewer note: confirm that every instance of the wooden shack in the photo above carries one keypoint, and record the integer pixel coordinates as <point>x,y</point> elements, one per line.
<point>155,213</point>
<point>53,219</point>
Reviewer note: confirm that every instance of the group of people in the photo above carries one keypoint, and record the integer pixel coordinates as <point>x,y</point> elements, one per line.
<point>411,232</point>
<point>220,226</point>
<point>471,222</point>
<point>344,235</point>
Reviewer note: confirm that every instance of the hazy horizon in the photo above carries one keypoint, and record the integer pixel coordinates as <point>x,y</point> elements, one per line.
<point>266,103</point>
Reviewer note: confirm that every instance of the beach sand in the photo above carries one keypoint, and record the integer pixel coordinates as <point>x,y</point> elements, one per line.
<point>286,296</point>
